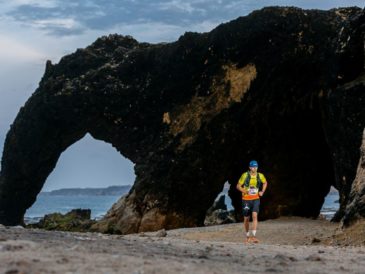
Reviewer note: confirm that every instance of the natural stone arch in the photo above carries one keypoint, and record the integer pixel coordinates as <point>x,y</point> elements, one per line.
<point>90,163</point>
<point>191,114</point>
<point>34,144</point>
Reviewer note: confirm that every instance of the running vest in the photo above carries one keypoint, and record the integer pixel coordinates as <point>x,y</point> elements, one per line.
<point>248,178</point>
<point>252,184</point>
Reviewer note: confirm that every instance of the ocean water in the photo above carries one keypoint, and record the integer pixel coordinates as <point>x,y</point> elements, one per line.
<point>46,204</point>
<point>330,205</point>
<point>99,205</point>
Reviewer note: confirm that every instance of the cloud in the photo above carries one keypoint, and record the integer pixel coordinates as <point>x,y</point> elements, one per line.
<point>54,17</point>
<point>69,18</point>
<point>13,50</point>
<point>59,26</point>
<point>178,5</point>
<point>67,23</point>
<point>8,5</point>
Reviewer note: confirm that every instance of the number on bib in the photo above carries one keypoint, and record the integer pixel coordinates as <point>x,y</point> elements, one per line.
<point>252,191</point>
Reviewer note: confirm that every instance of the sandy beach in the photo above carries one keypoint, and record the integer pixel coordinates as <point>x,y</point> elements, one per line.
<point>287,245</point>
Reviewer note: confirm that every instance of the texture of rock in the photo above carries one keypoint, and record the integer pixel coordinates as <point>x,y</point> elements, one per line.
<point>75,220</point>
<point>218,214</point>
<point>219,217</point>
<point>218,204</point>
<point>282,85</point>
<point>344,111</point>
<point>356,206</point>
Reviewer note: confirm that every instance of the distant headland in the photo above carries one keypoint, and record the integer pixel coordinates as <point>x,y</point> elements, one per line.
<point>111,190</point>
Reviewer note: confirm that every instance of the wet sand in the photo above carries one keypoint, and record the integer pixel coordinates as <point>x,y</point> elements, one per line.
<point>287,245</point>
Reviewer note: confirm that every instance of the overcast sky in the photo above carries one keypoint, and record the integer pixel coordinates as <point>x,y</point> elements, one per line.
<point>32,31</point>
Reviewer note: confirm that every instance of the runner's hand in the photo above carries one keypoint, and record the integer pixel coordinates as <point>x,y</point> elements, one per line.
<point>261,193</point>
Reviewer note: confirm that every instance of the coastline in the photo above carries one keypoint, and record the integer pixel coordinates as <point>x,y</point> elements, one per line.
<point>288,244</point>
<point>100,204</point>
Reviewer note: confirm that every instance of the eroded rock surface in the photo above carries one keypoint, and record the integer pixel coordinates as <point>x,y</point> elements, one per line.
<point>276,86</point>
<point>75,220</point>
<point>356,206</point>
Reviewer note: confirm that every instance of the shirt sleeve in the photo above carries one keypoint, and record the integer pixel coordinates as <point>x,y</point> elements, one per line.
<point>241,181</point>
<point>263,179</point>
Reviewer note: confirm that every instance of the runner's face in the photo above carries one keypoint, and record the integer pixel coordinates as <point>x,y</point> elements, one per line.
<point>253,169</point>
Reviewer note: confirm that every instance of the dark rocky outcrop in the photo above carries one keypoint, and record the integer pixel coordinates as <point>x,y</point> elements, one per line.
<point>220,217</point>
<point>218,204</point>
<point>355,209</point>
<point>218,214</point>
<point>282,85</point>
<point>344,109</point>
<point>75,220</point>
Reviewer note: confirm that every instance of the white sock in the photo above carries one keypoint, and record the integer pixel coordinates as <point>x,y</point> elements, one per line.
<point>248,233</point>
<point>254,233</point>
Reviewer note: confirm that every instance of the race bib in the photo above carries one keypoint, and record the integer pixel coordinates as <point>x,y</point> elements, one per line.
<point>253,191</point>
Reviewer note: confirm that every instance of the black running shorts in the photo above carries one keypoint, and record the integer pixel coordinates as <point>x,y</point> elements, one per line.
<point>249,206</point>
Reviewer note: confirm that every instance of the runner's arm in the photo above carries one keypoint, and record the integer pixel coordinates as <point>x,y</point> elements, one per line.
<point>264,186</point>
<point>241,189</point>
<point>240,184</point>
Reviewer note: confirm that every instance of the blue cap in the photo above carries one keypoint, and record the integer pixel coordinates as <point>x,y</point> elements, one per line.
<point>254,164</point>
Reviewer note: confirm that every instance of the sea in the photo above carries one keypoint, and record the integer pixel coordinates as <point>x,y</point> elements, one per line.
<point>330,206</point>
<point>100,204</point>
<point>46,204</point>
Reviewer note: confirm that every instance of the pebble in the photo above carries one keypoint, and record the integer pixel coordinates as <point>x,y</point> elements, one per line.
<point>74,247</point>
<point>161,233</point>
<point>313,258</point>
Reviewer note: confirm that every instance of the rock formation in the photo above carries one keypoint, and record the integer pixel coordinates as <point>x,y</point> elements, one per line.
<point>218,204</point>
<point>281,85</point>
<point>75,220</point>
<point>356,206</point>
<point>218,214</point>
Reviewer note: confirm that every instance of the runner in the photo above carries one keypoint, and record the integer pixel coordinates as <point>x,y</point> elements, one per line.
<point>253,185</point>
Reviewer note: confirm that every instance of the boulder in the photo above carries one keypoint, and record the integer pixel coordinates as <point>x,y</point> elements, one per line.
<point>219,217</point>
<point>218,204</point>
<point>75,220</point>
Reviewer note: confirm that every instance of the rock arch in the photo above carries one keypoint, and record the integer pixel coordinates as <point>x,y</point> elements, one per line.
<point>192,113</point>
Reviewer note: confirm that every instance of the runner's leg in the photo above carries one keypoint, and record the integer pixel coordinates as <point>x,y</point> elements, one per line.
<point>254,221</point>
<point>246,224</point>
<point>246,221</point>
<point>246,218</point>
<point>255,212</point>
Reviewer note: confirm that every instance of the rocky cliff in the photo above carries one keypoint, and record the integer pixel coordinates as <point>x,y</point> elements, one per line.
<point>281,85</point>
<point>355,208</point>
